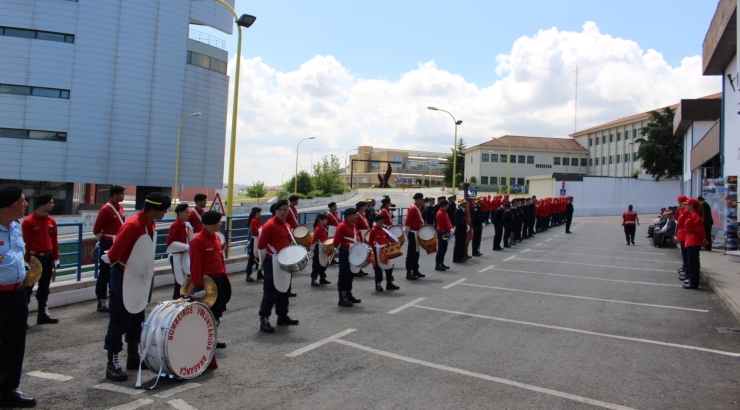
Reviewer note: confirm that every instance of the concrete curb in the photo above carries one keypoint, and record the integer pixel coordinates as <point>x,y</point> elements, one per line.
<point>722,287</point>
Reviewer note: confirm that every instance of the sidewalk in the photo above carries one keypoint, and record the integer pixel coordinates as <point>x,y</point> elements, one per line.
<point>723,277</point>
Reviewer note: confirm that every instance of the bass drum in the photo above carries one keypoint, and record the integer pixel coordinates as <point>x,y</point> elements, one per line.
<point>359,255</point>
<point>179,339</point>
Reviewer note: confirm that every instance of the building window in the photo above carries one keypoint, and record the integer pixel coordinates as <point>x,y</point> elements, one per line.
<point>597,140</point>
<point>634,157</point>
<point>512,181</point>
<point>597,161</point>
<point>626,135</point>
<point>471,159</point>
<point>503,158</point>
<point>619,136</point>
<point>574,162</point>
<point>530,159</point>
<point>35,91</point>
<point>206,62</point>
<point>375,164</point>
<point>512,159</point>
<point>33,134</point>
<point>590,142</point>
<point>611,137</point>
<point>584,162</point>
<point>521,159</point>
<point>619,159</point>
<point>603,139</point>
<point>520,181</point>
<point>484,157</point>
<point>626,157</point>
<point>484,180</point>
<point>494,157</point>
<point>37,34</point>
<point>566,161</point>
<point>556,161</point>
<point>603,160</point>
<point>591,162</point>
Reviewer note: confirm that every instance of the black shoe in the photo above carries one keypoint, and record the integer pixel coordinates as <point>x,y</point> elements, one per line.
<point>628,243</point>
<point>440,268</point>
<point>113,370</point>
<point>457,261</point>
<point>445,266</point>
<point>133,359</point>
<point>633,242</point>
<point>260,275</point>
<point>220,345</point>
<point>378,287</point>
<point>250,278</point>
<point>352,298</point>
<point>286,321</point>
<point>292,295</point>
<point>265,325</point>
<point>43,317</point>
<point>16,399</point>
<point>478,254</point>
<point>101,306</point>
<point>323,281</point>
<point>314,284</point>
<point>682,278</point>
<point>410,276</point>
<point>690,286</point>
<point>495,249</point>
<point>507,246</point>
<point>357,275</point>
<point>568,232</point>
<point>343,301</point>
<point>419,274</point>
<point>391,286</point>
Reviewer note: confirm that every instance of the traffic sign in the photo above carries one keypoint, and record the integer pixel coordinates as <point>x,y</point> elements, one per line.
<point>562,192</point>
<point>473,192</point>
<point>217,205</point>
<point>515,186</point>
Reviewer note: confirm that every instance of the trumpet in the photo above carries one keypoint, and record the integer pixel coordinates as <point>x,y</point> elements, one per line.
<point>445,236</point>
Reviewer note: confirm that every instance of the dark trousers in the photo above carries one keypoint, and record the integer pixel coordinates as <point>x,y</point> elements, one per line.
<point>684,257</point>
<point>412,256</point>
<point>379,272</point>
<point>629,232</point>
<point>176,292</point>
<point>316,269</point>
<point>252,261</point>
<point>14,308</point>
<point>101,284</point>
<point>271,296</point>
<point>507,235</point>
<point>344,281</point>
<point>498,233</point>
<point>692,273</point>
<point>219,306</point>
<point>531,226</point>
<point>568,221</point>
<point>477,236</point>
<point>458,252</point>
<point>651,231</point>
<point>42,293</point>
<point>441,249</point>
<point>121,321</point>
<point>708,236</point>
<point>658,238</point>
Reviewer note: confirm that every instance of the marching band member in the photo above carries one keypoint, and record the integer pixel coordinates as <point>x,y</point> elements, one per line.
<point>333,223</point>
<point>461,230</point>
<point>201,200</point>
<point>378,239</point>
<point>274,237</point>
<point>122,321</point>
<point>370,213</point>
<point>180,232</point>
<point>12,297</point>
<point>444,230</point>
<point>345,237</point>
<point>385,211</point>
<point>362,226</point>
<point>255,223</point>
<point>107,224</point>
<point>207,258</point>
<point>414,222</point>
<point>292,219</point>
<point>320,257</point>
<point>40,236</point>
<point>476,214</point>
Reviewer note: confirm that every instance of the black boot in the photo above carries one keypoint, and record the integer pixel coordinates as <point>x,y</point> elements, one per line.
<point>250,278</point>
<point>285,320</point>
<point>391,286</point>
<point>378,287</point>
<point>133,359</point>
<point>260,275</point>
<point>14,398</point>
<point>313,283</point>
<point>440,268</point>
<point>419,274</point>
<point>323,281</point>
<point>43,317</point>
<point>101,306</point>
<point>410,276</point>
<point>352,298</point>
<point>343,301</point>
<point>220,345</point>
<point>265,325</point>
<point>113,370</point>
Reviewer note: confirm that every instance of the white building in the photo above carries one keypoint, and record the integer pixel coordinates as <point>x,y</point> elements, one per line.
<point>92,92</point>
<point>509,160</point>
<point>697,123</point>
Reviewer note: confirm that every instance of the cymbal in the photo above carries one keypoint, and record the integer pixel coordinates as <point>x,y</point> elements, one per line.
<point>208,285</point>
<point>33,275</point>
<point>227,291</point>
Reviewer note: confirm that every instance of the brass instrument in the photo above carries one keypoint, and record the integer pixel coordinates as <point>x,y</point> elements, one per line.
<point>208,285</point>
<point>34,274</point>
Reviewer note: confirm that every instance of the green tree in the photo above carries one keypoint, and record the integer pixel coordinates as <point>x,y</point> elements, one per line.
<point>327,175</point>
<point>447,169</point>
<point>305,185</point>
<point>473,180</point>
<point>661,153</point>
<point>257,190</point>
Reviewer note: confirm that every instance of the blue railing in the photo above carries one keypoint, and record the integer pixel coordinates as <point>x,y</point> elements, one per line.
<point>78,252</point>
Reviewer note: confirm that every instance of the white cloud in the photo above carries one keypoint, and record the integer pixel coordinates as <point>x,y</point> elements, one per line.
<point>534,96</point>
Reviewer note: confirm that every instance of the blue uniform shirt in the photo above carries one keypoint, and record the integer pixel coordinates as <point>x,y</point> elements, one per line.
<point>12,249</point>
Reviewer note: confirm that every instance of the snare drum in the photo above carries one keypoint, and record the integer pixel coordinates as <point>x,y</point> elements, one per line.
<point>329,246</point>
<point>360,254</point>
<point>179,339</point>
<point>428,238</point>
<point>293,258</point>
<point>389,252</point>
<point>397,231</point>
<point>302,236</point>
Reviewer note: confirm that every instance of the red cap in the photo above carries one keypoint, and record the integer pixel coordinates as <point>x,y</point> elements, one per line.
<point>682,199</point>
<point>693,202</point>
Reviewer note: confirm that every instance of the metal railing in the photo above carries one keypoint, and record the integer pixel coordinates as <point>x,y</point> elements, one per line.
<point>202,37</point>
<point>74,256</point>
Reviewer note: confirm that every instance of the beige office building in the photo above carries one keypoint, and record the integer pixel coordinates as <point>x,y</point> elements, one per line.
<point>423,168</point>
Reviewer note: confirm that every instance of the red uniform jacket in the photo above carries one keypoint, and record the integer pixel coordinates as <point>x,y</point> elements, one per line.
<point>178,232</point>
<point>107,221</point>
<point>413,219</point>
<point>680,219</point>
<point>333,219</point>
<point>387,218</point>
<point>254,226</point>
<point>361,222</point>
<point>377,237</point>
<point>206,257</point>
<point>319,234</point>
<point>443,222</point>
<point>292,219</point>
<point>194,219</point>
<point>275,236</point>
<point>130,232</point>
<point>40,235</point>
<point>694,229</point>
<point>344,231</point>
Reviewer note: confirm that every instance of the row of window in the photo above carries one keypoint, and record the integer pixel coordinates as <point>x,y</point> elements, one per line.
<point>495,180</point>
<point>595,141</point>
<point>565,161</point>
<point>37,34</point>
<point>35,91</point>
<point>33,134</point>
<point>543,166</point>
<point>206,62</point>
<point>529,159</point>
<point>618,158</point>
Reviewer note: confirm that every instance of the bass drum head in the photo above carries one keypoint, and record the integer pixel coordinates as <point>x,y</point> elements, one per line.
<point>139,272</point>
<point>358,254</point>
<point>291,255</point>
<point>427,233</point>
<point>396,230</point>
<point>301,231</point>
<point>186,263</point>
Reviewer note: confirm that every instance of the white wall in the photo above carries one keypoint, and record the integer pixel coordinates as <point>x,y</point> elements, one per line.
<point>731,126</point>
<point>601,196</point>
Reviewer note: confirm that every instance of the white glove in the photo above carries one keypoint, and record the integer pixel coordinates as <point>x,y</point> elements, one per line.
<point>483,225</point>
<point>56,263</point>
<point>187,247</point>
<point>188,225</point>
<point>199,294</point>
<point>105,258</point>
<point>467,228</point>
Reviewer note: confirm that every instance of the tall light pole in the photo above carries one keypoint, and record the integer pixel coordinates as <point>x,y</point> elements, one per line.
<point>454,148</point>
<point>282,179</point>
<point>177,159</point>
<point>295,188</point>
<point>345,173</point>
<point>312,158</point>
<point>246,21</point>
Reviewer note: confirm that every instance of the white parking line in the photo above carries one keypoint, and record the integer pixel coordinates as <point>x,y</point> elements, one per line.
<point>494,379</point>
<point>510,258</point>
<point>175,390</point>
<point>623,251</point>
<point>586,298</point>
<point>457,282</point>
<point>485,269</point>
<point>539,244</point>
<point>525,251</point>
<point>556,236</point>
<point>50,376</point>
<point>180,404</point>
<point>585,332</point>
<point>607,256</point>
<point>590,264</point>
<point>133,405</point>
<point>118,389</point>
<point>400,308</point>
<point>548,240</point>
<point>322,342</point>
<point>588,277</point>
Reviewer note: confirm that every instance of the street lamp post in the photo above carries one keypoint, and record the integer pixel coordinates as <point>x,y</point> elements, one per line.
<point>312,158</point>
<point>344,196</point>
<point>177,159</point>
<point>295,188</point>
<point>246,21</point>
<point>454,148</point>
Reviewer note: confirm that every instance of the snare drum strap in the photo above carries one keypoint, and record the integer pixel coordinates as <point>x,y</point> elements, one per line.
<point>390,234</point>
